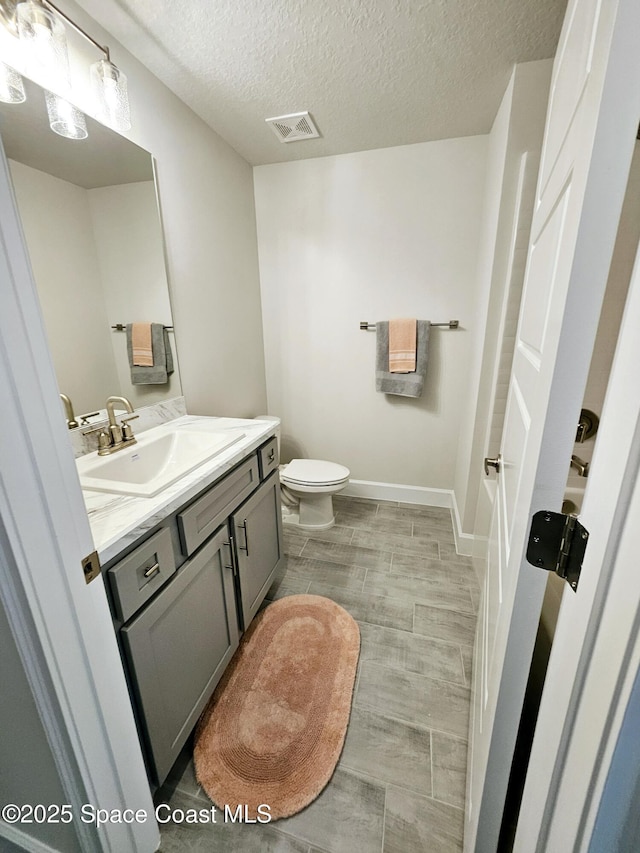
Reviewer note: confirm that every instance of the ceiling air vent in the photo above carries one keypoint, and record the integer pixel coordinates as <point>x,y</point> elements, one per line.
<point>294,127</point>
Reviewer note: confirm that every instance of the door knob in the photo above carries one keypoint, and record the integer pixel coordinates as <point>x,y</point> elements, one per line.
<point>493,463</point>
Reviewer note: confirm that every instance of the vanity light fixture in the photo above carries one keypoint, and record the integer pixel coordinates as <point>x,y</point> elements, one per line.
<point>40,27</point>
<point>11,85</point>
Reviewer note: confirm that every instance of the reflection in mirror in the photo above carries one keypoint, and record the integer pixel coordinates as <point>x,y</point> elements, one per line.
<point>91,223</point>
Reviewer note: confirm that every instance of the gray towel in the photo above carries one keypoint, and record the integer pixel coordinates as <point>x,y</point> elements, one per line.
<point>403,384</point>
<point>162,358</point>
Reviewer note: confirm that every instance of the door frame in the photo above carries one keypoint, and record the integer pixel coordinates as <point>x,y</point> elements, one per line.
<point>62,626</point>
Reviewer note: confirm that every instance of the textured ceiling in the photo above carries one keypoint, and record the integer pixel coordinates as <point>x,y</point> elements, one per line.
<point>373,73</point>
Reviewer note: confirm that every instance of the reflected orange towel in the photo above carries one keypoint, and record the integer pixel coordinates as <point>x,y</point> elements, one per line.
<point>141,344</point>
<point>403,339</point>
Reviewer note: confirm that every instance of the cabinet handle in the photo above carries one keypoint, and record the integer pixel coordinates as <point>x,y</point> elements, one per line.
<point>272,454</point>
<point>244,547</point>
<point>229,545</point>
<point>148,573</point>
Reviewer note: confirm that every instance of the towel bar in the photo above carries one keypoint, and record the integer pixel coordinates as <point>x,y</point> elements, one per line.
<point>121,327</point>
<point>452,324</point>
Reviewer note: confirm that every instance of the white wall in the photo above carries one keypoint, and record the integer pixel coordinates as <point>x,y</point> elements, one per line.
<point>130,256</point>
<point>97,262</point>
<point>206,196</point>
<point>368,236</point>
<point>69,284</point>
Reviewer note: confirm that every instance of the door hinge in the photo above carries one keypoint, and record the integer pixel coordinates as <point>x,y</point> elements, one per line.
<point>91,567</point>
<point>557,543</point>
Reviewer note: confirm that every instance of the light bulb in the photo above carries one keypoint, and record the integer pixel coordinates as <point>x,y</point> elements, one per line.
<point>110,89</point>
<point>64,118</point>
<point>43,36</point>
<point>11,85</point>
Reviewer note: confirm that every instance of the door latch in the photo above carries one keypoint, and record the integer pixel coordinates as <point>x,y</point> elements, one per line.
<point>557,543</point>
<point>90,566</point>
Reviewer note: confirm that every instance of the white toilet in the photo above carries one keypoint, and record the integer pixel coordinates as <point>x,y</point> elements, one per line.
<point>307,486</point>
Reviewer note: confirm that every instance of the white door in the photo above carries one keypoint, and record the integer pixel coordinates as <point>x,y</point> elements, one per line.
<point>585,161</point>
<point>596,649</point>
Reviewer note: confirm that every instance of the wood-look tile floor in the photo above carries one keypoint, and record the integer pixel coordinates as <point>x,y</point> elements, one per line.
<point>399,786</point>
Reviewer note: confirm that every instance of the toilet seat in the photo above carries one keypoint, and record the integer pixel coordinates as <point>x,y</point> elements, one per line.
<point>314,472</point>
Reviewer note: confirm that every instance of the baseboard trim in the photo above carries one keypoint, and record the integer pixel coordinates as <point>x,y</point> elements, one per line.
<point>415,495</point>
<point>464,541</point>
<point>397,492</point>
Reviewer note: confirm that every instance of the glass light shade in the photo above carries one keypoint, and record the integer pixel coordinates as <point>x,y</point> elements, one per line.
<point>65,119</point>
<point>11,85</point>
<point>43,36</point>
<point>110,90</point>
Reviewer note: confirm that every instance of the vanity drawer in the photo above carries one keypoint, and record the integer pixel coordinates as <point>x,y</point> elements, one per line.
<point>136,578</point>
<point>268,458</point>
<point>200,520</point>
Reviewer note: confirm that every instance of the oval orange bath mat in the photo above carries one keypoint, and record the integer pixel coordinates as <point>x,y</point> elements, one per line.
<point>273,731</point>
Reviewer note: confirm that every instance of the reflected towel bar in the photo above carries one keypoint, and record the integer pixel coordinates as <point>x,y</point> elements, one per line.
<point>121,327</point>
<point>452,324</point>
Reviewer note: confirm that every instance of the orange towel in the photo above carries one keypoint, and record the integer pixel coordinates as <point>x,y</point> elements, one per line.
<point>403,338</point>
<point>141,344</point>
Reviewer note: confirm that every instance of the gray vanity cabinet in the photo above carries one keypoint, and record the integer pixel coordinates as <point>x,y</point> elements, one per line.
<point>257,529</point>
<point>181,597</point>
<point>179,646</point>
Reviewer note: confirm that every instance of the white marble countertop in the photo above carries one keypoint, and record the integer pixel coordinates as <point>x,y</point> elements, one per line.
<point>118,520</point>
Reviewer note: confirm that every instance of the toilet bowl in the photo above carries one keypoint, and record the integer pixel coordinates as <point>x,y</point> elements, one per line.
<point>307,489</point>
<point>307,486</point>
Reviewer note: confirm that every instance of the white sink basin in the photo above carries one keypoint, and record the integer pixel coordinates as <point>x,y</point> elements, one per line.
<point>154,462</point>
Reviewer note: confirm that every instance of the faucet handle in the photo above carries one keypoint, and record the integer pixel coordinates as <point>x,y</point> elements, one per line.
<point>580,465</point>
<point>104,437</point>
<point>104,441</point>
<point>84,419</point>
<point>94,429</point>
<point>127,432</point>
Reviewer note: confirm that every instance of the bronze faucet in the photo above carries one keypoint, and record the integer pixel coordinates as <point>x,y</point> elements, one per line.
<point>72,423</point>
<point>118,435</point>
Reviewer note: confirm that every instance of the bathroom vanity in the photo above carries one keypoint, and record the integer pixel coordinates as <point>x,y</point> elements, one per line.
<point>186,577</point>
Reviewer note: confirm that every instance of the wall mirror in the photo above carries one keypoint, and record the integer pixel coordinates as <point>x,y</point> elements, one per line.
<point>92,226</point>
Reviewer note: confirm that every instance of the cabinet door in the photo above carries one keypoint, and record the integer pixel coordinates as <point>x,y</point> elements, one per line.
<point>179,646</point>
<point>257,526</point>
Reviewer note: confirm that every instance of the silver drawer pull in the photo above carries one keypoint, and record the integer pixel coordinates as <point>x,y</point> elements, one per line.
<point>229,545</point>
<point>272,455</point>
<point>148,573</point>
<point>244,547</point>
